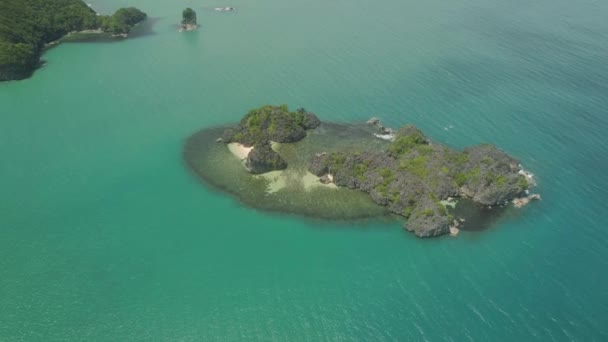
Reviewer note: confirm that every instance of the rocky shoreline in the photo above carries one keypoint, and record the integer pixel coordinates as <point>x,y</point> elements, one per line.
<point>262,126</point>
<point>414,177</point>
<point>187,27</point>
<point>189,22</point>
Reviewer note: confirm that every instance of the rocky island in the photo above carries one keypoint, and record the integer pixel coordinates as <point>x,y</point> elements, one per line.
<point>269,124</point>
<point>414,177</point>
<point>28,26</point>
<point>407,175</point>
<point>188,20</point>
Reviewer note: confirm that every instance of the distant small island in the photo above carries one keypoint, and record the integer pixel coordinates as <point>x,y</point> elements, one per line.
<point>188,20</point>
<point>410,176</point>
<point>28,26</point>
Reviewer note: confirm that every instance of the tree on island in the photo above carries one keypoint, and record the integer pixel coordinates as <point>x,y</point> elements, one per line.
<point>122,20</point>
<point>411,176</point>
<point>188,17</point>
<point>27,25</point>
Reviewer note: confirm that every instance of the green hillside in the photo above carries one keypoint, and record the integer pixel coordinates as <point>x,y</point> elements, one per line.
<point>27,25</point>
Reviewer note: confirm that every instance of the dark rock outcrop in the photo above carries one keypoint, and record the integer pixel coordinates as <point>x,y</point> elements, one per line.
<point>414,176</point>
<point>188,20</point>
<point>425,221</point>
<point>263,159</point>
<point>373,121</point>
<point>490,176</point>
<point>310,121</point>
<point>270,123</point>
<point>410,178</point>
<point>319,164</point>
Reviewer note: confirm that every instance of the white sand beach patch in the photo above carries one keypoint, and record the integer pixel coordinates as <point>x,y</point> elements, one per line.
<point>240,151</point>
<point>278,180</point>
<point>311,181</point>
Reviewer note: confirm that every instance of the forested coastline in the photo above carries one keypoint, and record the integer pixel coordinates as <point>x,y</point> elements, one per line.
<point>26,26</point>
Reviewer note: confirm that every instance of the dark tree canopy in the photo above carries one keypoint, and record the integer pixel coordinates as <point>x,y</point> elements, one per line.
<point>122,20</point>
<point>27,25</point>
<point>272,123</point>
<point>188,17</point>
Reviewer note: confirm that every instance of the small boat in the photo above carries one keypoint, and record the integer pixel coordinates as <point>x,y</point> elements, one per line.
<point>223,9</point>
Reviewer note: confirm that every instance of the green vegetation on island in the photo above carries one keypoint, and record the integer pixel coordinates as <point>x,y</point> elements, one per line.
<point>26,26</point>
<point>121,22</point>
<point>189,19</point>
<point>266,124</point>
<point>414,176</point>
<point>411,176</point>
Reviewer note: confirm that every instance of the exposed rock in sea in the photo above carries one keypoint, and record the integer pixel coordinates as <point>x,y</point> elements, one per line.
<point>373,121</point>
<point>385,130</point>
<point>424,221</point>
<point>188,27</point>
<point>309,119</point>
<point>409,176</point>
<point>263,159</point>
<point>414,176</point>
<point>492,175</point>
<point>188,20</point>
<point>270,123</point>
<point>524,200</point>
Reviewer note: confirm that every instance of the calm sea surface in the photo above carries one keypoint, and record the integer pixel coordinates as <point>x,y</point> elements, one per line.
<point>106,236</point>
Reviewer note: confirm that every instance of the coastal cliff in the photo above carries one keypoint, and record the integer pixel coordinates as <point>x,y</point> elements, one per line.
<point>27,26</point>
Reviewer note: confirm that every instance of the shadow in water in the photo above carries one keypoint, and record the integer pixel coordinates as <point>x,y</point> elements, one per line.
<point>477,217</point>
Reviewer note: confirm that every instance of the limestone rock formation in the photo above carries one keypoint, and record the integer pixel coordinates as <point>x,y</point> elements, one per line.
<point>270,124</point>
<point>263,159</point>
<point>414,175</point>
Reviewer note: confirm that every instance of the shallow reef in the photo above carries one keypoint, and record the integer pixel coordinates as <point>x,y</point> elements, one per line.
<point>295,163</point>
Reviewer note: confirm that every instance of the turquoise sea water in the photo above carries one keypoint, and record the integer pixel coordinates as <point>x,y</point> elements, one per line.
<point>106,236</point>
